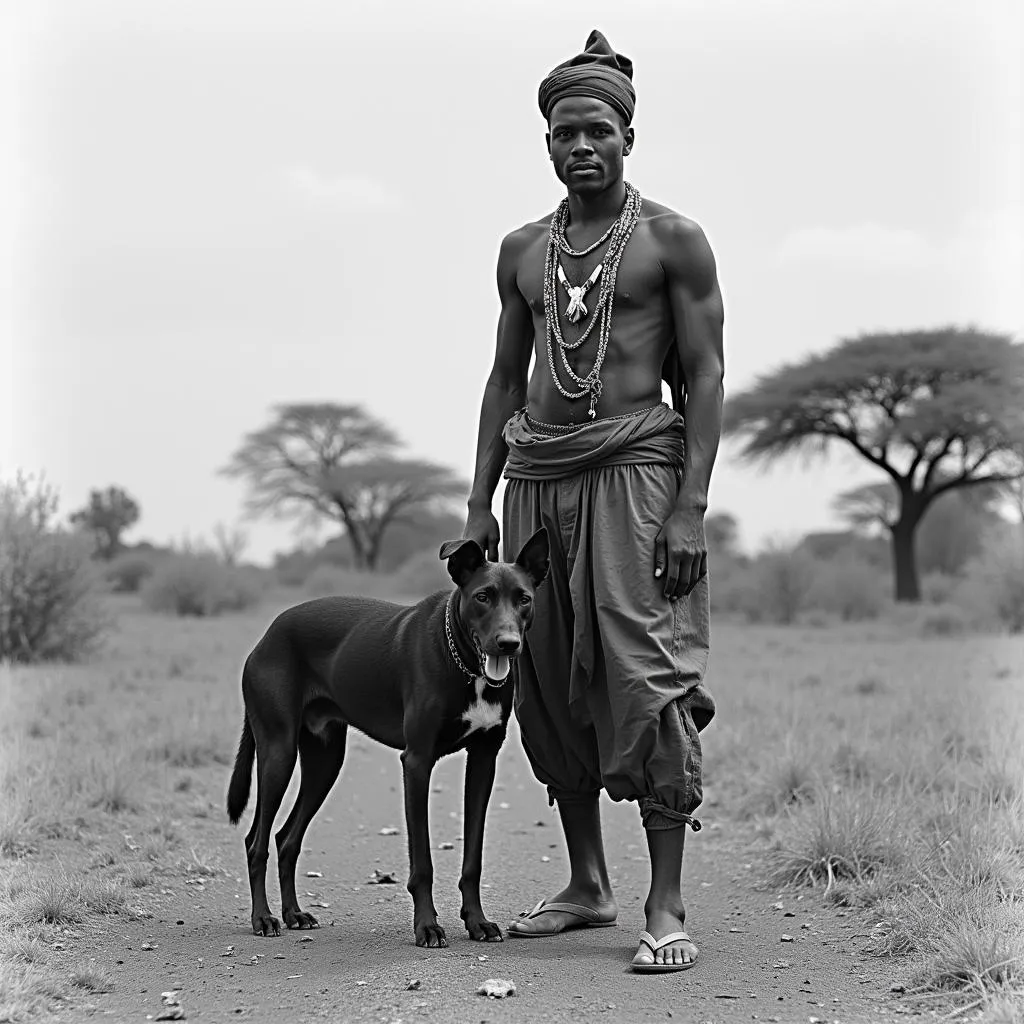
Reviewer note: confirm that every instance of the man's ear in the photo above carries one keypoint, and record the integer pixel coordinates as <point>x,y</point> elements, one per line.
<point>464,558</point>
<point>534,557</point>
<point>630,138</point>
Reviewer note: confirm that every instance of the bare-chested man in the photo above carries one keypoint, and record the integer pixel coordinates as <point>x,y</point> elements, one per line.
<point>609,691</point>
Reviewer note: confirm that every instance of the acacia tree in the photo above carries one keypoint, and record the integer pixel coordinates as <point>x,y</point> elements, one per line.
<point>935,410</point>
<point>107,515</point>
<point>335,462</point>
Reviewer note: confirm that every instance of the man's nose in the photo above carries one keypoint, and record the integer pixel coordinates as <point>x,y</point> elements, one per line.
<point>581,145</point>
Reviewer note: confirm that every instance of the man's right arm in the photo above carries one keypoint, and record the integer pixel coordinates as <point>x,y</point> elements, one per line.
<point>504,394</point>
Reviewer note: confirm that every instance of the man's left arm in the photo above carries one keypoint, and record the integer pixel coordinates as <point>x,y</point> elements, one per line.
<point>698,318</point>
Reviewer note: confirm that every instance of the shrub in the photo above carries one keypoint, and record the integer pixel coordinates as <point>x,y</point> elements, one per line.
<point>851,589</point>
<point>333,581</point>
<point>421,575</point>
<point>780,585</point>
<point>993,586</point>
<point>49,589</point>
<point>198,585</point>
<point>945,620</point>
<point>127,572</point>
<point>938,587</point>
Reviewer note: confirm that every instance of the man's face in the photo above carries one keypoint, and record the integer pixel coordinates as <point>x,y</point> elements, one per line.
<point>587,142</point>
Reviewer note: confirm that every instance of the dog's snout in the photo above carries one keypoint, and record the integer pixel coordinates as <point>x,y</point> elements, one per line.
<point>508,644</point>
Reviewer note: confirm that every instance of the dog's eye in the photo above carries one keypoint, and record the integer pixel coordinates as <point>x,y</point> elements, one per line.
<point>526,600</point>
<point>483,598</point>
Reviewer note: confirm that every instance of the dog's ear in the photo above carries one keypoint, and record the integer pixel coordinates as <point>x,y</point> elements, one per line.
<point>463,556</point>
<point>534,557</point>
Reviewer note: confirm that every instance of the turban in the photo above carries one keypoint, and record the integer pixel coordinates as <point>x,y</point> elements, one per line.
<point>599,72</point>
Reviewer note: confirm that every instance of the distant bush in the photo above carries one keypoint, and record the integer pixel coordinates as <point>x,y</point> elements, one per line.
<point>780,586</point>
<point>945,620</point>
<point>993,587</point>
<point>849,588</point>
<point>198,585</point>
<point>49,590</point>
<point>938,587</point>
<point>421,575</point>
<point>127,572</point>
<point>333,581</point>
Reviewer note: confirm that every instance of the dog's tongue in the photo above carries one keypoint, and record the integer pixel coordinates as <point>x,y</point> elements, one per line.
<point>496,666</point>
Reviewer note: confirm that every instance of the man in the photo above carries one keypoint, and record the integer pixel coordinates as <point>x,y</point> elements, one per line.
<point>611,293</point>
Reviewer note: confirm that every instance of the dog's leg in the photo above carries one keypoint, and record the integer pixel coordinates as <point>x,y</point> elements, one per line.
<point>321,759</point>
<point>480,763</point>
<point>275,761</point>
<point>416,769</point>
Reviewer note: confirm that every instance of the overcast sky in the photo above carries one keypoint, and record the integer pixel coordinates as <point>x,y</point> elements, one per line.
<point>210,207</point>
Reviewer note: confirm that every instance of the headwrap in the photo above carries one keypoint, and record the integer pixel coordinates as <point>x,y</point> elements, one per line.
<point>599,72</point>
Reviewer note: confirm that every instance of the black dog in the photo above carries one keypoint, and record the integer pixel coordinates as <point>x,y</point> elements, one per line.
<point>428,680</point>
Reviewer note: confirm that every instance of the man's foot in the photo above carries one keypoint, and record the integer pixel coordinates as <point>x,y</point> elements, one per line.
<point>568,910</point>
<point>657,954</point>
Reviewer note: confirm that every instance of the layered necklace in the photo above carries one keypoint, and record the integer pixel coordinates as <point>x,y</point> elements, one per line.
<point>606,271</point>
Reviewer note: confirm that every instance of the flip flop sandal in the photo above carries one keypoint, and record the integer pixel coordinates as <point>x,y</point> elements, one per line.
<point>589,918</point>
<point>654,945</point>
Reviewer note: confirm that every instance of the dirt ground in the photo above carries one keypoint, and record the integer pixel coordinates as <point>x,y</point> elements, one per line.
<point>362,963</point>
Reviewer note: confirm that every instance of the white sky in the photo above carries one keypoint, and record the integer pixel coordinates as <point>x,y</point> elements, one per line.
<point>209,207</point>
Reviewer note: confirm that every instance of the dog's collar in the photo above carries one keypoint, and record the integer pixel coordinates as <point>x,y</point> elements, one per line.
<point>454,651</point>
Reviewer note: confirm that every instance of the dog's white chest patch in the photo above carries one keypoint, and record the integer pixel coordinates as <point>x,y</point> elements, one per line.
<point>481,714</point>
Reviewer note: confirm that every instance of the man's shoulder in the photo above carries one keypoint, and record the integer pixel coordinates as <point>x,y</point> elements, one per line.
<point>670,226</point>
<point>681,241</point>
<point>527,234</point>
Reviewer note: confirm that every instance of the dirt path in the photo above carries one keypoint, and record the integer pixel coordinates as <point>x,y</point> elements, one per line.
<point>358,965</point>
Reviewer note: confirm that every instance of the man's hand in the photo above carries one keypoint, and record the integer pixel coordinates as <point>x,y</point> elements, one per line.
<point>482,527</point>
<point>681,553</point>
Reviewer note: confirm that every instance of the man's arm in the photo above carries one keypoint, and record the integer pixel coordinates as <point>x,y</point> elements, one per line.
<point>504,393</point>
<point>698,318</point>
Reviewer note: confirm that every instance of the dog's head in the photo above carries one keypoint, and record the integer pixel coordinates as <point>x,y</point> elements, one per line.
<point>496,598</point>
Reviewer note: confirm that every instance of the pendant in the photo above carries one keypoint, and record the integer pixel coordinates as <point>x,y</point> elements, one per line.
<point>595,393</point>
<point>577,308</point>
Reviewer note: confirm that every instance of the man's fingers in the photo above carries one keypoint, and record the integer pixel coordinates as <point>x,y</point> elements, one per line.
<point>660,559</point>
<point>686,567</point>
<point>492,547</point>
<point>672,574</point>
<point>698,571</point>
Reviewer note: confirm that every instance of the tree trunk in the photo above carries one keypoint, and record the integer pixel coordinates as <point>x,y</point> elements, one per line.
<point>904,558</point>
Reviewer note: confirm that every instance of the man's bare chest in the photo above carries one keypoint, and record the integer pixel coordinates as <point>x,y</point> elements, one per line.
<point>639,282</point>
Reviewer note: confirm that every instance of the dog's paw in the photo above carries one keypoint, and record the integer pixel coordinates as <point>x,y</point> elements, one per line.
<point>300,919</point>
<point>484,931</point>
<point>431,935</point>
<point>264,924</point>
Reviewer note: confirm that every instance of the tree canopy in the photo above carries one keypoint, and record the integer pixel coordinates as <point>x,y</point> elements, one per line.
<point>324,460</point>
<point>106,516</point>
<point>935,410</point>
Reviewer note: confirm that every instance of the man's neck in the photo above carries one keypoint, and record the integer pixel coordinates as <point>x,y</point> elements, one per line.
<point>599,208</point>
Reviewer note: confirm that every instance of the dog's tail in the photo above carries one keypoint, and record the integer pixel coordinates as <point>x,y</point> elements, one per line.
<point>241,776</point>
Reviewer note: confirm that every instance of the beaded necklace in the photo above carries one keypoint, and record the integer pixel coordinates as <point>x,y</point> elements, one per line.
<point>617,236</point>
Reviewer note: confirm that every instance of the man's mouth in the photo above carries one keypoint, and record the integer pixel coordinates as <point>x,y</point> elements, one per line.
<point>583,169</point>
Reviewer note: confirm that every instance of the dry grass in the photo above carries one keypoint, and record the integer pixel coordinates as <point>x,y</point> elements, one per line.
<point>880,766</point>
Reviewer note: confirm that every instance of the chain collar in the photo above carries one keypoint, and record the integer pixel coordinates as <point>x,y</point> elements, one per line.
<point>453,650</point>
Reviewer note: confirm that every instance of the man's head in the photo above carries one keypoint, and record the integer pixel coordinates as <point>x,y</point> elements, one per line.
<point>588,102</point>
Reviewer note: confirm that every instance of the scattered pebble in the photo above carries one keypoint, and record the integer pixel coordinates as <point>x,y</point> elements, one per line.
<point>279,956</point>
<point>446,846</point>
<point>781,965</point>
<point>306,938</point>
<point>292,977</point>
<point>320,903</point>
<point>382,878</point>
<point>389,831</point>
<point>786,938</point>
<point>505,806</point>
<point>414,985</point>
<point>898,989</point>
<point>148,946</point>
<point>497,988</point>
<point>778,906</point>
<point>314,874</point>
<point>545,860</point>
<point>789,913</point>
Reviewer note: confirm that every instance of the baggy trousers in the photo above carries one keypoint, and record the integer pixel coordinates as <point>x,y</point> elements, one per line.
<point>609,686</point>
